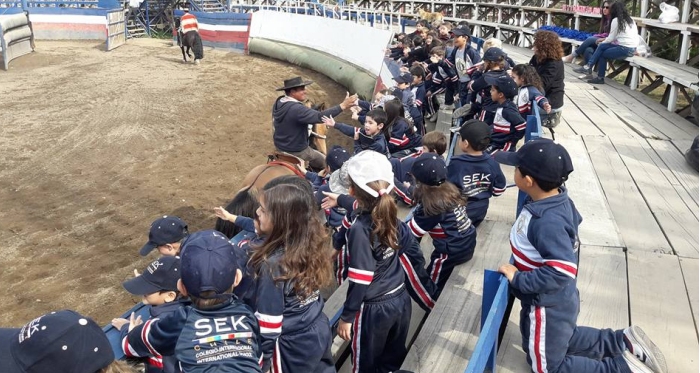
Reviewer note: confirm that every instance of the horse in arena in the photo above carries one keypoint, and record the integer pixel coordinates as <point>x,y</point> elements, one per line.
<point>245,202</point>
<point>191,41</point>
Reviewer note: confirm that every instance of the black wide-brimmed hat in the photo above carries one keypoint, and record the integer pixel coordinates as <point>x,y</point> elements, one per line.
<point>294,83</point>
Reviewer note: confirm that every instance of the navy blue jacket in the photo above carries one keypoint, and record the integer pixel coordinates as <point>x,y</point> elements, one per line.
<point>508,125</point>
<point>374,269</point>
<point>334,216</point>
<point>470,55</point>
<point>544,240</point>
<point>403,136</point>
<point>316,180</point>
<point>278,308</point>
<point>419,93</point>
<point>480,92</point>
<point>377,143</point>
<point>452,231</point>
<point>442,74</point>
<point>402,172</point>
<point>479,177</point>
<point>408,99</point>
<point>527,94</point>
<point>291,118</point>
<point>226,338</point>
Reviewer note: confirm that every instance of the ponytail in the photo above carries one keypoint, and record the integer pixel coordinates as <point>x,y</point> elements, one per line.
<point>383,211</point>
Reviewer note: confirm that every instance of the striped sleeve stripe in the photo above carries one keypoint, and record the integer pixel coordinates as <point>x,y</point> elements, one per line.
<point>419,102</point>
<point>144,336</point>
<point>567,268</point>
<point>416,285</point>
<point>415,228</point>
<point>520,126</point>
<point>398,142</point>
<point>155,362</point>
<point>498,191</point>
<point>403,196</point>
<point>128,351</point>
<point>360,276</point>
<point>269,324</point>
<point>345,222</point>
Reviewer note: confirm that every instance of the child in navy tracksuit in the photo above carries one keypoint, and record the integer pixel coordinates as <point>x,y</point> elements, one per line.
<point>545,245</point>
<point>404,138</point>
<point>529,89</point>
<point>441,212</point>
<point>377,310</point>
<point>482,106</point>
<point>442,75</point>
<point>218,332</point>
<point>433,142</point>
<point>336,184</point>
<point>404,94</point>
<point>370,137</point>
<point>508,126</point>
<point>476,173</point>
<point>462,58</point>
<point>290,268</point>
<point>419,90</point>
<point>334,159</point>
<point>157,286</point>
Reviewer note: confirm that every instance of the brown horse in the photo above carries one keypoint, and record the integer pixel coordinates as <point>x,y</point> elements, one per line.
<point>245,202</point>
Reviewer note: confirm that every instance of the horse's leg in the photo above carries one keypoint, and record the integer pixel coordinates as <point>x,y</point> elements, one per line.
<point>184,58</point>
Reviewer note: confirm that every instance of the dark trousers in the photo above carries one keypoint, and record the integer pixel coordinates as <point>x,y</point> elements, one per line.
<point>442,264</point>
<point>307,350</point>
<point>379,333</point>
<point>553,342</point>
<point>476,210</point>
<point>587,48</point>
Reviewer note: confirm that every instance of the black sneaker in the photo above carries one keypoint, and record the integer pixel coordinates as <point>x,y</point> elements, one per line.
<point>584,70</point>
<point>596,80</point>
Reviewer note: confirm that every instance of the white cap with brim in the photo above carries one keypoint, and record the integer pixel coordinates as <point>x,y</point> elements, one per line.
<point>368,166</point>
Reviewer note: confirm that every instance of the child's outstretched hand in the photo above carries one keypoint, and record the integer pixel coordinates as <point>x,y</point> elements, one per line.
<point>118,323</point>
<point>134,321</point>
<point>221,213</point>
<point>508,270</point>
<point>329,121</point>
<point>330,201</point>
<point>355,116</point>
<point>357,135</point>
<point>302,168</point>
<point>547,108</point>
<point>344,329</point>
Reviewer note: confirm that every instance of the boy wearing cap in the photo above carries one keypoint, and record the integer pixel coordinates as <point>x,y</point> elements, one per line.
<point>476,173</point>
<point>165,234</point>
<point>544,240</point>
<point>462,58</point>
<point>334,159</point>
<point>482,107</point>
<point>508,125</point>
<point>61,341</point>
<point>433,142</point>
<point>158,287</point>
<point>217,332</point>
<point>442,75</point>
<point>408,99</point>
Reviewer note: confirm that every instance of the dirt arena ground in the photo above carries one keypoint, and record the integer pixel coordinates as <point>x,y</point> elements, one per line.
<point>95,145</point>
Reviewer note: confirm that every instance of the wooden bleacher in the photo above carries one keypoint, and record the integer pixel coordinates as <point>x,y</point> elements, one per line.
<point>639,254</point>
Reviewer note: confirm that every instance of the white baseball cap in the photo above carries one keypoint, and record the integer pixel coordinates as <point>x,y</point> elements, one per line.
<point>368,166</point>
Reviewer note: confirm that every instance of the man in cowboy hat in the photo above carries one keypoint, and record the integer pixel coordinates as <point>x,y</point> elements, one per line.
<point>291,118</point>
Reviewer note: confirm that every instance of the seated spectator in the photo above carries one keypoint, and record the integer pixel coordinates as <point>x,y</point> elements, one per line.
<point>166,235</point>
<point>588,47</point>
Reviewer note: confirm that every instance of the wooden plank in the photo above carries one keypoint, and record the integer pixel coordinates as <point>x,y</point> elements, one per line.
<point>636,224</point>
<point>679,225</point>
<point>598,226</point>
<point>602,286</point>
<point>690,276</point>
<point>675,163</point>
<point>631,120</point>
<point>659,305</point>
<point>450,332</point>
<point>578,122</point>
<point>609,125</point>
<point>503,208</point>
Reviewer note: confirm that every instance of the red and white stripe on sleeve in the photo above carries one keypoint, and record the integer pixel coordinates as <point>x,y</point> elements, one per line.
<point>567,268</point>
<point>415,228</point>
<point>360,276</point>
<point>269,324</point>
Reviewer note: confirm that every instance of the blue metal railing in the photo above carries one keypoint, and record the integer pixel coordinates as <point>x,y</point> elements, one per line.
<point>496,304</point>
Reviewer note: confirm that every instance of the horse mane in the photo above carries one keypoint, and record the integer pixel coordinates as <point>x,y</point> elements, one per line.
<point>244,203</point>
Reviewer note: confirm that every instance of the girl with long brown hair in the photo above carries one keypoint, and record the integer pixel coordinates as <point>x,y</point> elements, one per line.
<point>589,45</point>
<point>290,267</point>
<point>377,310</point>
<point>441,212</point>
<point>547,61</point>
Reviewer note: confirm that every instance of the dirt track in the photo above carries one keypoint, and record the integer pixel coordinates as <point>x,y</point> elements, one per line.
<point>95,145</point>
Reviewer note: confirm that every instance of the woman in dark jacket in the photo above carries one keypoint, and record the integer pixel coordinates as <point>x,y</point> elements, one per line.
<point>587,48</point>
<point>550,67</point>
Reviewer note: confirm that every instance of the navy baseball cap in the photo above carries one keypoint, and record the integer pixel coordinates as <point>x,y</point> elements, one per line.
<point>543,159</point>
<point>62,341</point>
<point>493,54</point>
<point>461,31</point>
<point>208,263</point>
<point>475,131</point>
<point>504,83</point>
<point>336,157</point>
<point>404,78</point>
<point>429,169</point>
<point>161,275</point>
<point>165,230</point>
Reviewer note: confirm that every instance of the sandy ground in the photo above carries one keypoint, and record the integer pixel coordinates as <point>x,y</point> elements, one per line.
<point>95,145</point>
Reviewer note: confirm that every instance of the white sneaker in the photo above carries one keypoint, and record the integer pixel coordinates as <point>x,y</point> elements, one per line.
<point>568,59</point>
<point>645,350</point>
<point>634,364</point>
<point>196,62</point>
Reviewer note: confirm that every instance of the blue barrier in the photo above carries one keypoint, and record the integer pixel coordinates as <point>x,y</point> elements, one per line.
<point>495,304</point>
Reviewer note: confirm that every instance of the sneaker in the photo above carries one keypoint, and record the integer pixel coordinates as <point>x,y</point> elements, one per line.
<point>196,62</point>
<point>448,107</point>
<point>568,59</point>
<point>596,80</point>
<point>634,364</point>
<point>644,349</point>
<point>461,111</point>
<point>584,70</point>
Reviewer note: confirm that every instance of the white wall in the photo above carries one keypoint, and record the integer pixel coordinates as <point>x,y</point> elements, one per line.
<point>362,46</point>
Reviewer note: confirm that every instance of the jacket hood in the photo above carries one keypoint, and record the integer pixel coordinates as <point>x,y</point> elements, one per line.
<point>537,208</point>
<point>282,106</point>
<point>470,158</point>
